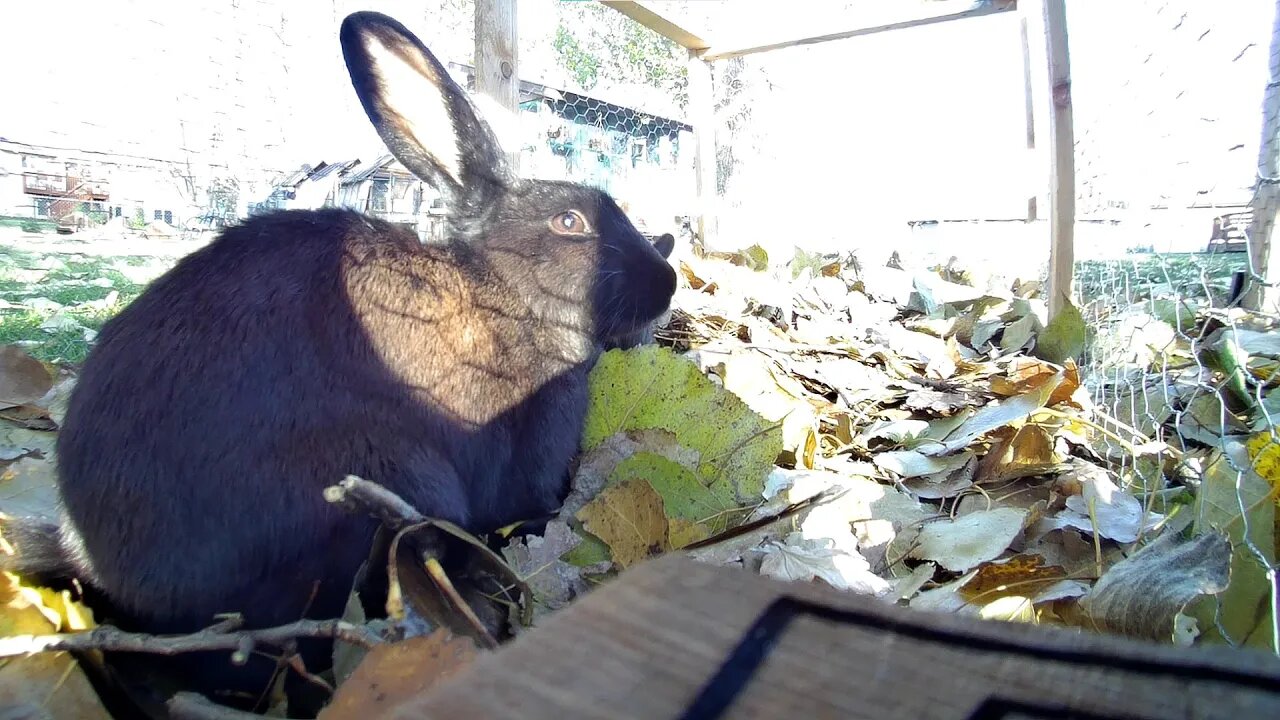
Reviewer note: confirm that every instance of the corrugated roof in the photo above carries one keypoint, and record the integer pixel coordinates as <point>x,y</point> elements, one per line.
<point>366,171</point>
<point>332,168</point>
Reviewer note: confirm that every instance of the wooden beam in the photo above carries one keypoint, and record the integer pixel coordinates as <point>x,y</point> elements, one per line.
<point>496,57</point>
<point>646,15</point>
<point>1266,200</point>
<point>1062,162</point>
<point>1028,81</point>
<point>675,637</point>
<point>927,14</point>
<point>702,115</point>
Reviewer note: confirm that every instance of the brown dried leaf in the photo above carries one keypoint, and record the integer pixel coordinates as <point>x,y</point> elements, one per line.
<point>395,673</point>
<point>695,282</point>
<point>629,517</point>
<point>29,417</point>
<point>995,416</point>
<point>23,379</point>
<point>937,403</point>
<point>1024,374</point>
<point>1030,451</point>
<point>1022,575</point>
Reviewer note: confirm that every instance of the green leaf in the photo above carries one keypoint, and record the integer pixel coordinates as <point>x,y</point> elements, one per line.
<point>590,551</point>
<point>757,258</point>
<point>1064,337</point>
<point>682,495</point>
<point>1244,609</point>
<point>651,387</point>
<point>805,260</point>
<point>1222,352</point>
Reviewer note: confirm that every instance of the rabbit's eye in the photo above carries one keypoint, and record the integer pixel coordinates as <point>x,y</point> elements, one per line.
<point>569,222</point>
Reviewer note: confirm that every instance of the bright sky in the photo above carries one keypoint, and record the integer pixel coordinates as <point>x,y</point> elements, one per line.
<point>925,120</point>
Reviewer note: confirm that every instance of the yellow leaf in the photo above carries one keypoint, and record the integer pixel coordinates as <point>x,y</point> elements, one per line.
<point>52,682</point>
<point>629,517</point>
<point>1011,608</point>
<point>681,532</point>
<point>1264,453</point>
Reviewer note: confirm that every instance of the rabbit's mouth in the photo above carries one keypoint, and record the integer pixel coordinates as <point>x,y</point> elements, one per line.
<point>636,318</point>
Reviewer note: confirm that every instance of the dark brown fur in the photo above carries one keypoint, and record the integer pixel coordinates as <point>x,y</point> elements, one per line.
<point>303,346</point>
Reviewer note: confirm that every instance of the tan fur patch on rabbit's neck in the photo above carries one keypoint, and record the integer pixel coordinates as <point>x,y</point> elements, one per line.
<point>472,348</point>
<point>560,311</point>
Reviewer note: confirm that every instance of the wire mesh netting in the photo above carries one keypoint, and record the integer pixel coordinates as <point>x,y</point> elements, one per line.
<point>915,142</point>
<point>1168,149</point>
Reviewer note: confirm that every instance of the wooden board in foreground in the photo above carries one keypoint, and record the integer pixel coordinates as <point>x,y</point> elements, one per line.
<point>673,638</point>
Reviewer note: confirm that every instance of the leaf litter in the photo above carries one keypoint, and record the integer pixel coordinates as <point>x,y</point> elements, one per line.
<point>950,448</point>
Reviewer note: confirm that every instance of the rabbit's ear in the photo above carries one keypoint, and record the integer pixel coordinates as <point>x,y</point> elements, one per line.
<point>424,118</point>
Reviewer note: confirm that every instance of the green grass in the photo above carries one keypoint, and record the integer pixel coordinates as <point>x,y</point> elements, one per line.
<point>1192,276</point>
<point>76,282</point>
<point>28,224</point>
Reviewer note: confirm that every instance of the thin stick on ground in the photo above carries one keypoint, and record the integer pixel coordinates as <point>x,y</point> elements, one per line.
<point>220,637</point>
<point>359,495</point>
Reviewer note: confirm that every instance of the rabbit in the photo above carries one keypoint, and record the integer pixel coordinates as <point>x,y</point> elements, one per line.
<point>304,345</point>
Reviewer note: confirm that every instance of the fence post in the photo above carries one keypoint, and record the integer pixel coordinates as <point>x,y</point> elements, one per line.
<point>496,54</point>
<point>1266,196</point>
<point>702,113</point>
<point>1029,93</point>
<point>1062,162</point>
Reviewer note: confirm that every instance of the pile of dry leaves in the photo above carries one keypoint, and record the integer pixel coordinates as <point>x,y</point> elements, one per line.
<point>923,436</point>
<point>962,461</point>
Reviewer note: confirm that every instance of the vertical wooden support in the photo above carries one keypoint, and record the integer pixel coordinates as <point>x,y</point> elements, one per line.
<point>1062,162</point>
<point>1266,199</point>
<point>1028,81</point>
<point>496,55</point>
<point>702,107</point>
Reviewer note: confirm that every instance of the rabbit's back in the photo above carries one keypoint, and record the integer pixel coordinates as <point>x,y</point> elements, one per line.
<point>218,405</point>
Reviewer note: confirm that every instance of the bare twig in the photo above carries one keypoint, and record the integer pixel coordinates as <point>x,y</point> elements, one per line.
<point>219,637</point>
<point>825,496</point>
<point>359,495</point>
<point>194,706</point>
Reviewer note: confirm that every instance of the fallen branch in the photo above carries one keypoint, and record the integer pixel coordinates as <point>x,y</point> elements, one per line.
<point>356,494</point>
<point>223,636</point>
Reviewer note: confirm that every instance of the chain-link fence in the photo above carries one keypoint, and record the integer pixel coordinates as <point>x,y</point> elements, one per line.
<point>916,141</point>
<point>1169,131</point>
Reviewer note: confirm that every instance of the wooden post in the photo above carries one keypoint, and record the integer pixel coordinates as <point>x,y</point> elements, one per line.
<point>1062,160</point>
<point>702,107</point>
<point>1266,197</point>
<point>1028,81</point>
<point>496,55</point>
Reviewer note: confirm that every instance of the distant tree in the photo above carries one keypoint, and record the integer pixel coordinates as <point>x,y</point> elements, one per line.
<point>595,43</point>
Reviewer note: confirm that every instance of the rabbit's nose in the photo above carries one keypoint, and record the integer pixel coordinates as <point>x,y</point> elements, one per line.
<point>665,282</point>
